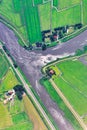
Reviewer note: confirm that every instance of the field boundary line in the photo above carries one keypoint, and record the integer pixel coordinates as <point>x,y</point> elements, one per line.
<point>60,10</point>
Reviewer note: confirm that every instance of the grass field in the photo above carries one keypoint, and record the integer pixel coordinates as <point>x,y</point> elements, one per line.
<point>3,66</point>
<point>44,13</point>
<point>55,97</point>
<point>66,17</point>
<point>84,11</point>
<point>74,81</point>
<point>9,81</point>
<point>5,118</point>
<point>30,18</point>
<point>67,3</point>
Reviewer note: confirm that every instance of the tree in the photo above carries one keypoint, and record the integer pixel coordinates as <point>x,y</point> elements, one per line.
<point>44,47</point>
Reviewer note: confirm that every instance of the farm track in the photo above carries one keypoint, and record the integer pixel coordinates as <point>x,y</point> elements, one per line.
<point>32,62</point>
<point>82,124</point>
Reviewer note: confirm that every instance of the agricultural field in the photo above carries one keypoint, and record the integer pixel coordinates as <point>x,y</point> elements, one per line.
<point>15,114</point>
<point>73,84</point>
<point>84,11</point>
<point>55,97</point>
<point>64,4</point>
<point>45,12</point>
<point>33,115</point>
<point>66,17</point>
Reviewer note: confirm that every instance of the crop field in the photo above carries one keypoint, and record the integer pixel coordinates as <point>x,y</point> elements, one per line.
<point>66,3</point>
<point>30,18</point>
<point>33,114</point>
<point>70,16</point>
<point>73,84</point>
<point>45,12</point>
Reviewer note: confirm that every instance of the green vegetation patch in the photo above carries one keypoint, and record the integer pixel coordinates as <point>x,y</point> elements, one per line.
<point>5,118</point>
<point>73,84</point>
<point>30,18</point>
<point>44,13</point>
<point>55,3</point>
<point>8,82</point>
<point>36,2</point>
<point>3,65</point>
<point>84,9</point>
<point>7,10</point>
<point>55,97</point>
<point>20,117</point>
<point>69,16</point>
<point>21,126</point>
<point>18,107</point>
<point>67,3</point>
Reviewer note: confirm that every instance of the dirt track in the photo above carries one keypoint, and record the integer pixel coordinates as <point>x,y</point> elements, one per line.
<point>76,115</point>
<point>32,62</point>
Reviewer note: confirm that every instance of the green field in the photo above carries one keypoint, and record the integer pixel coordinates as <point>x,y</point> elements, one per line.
<point>3,65</point>
<point>5,118</point>
<point>9,81</point>
<point>30,18</point>
<point>84,11</point>
<point>66,17</point>
<point>67,3</point>
<point>45,12</point>
<point>55,97</point>
<point>73,84</point>
<point>55,3</point>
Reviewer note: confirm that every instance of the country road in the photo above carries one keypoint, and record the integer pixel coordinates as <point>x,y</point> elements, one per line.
<point>32,62</point>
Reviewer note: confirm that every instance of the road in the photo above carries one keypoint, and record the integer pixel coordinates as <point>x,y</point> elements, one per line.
<point>76,115</point>
<point>32,62</point>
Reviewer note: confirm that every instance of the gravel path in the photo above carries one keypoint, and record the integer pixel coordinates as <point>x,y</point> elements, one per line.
<point>32,62</point>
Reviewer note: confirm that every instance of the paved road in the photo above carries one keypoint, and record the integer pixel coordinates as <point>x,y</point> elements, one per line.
<point>32,62</point>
